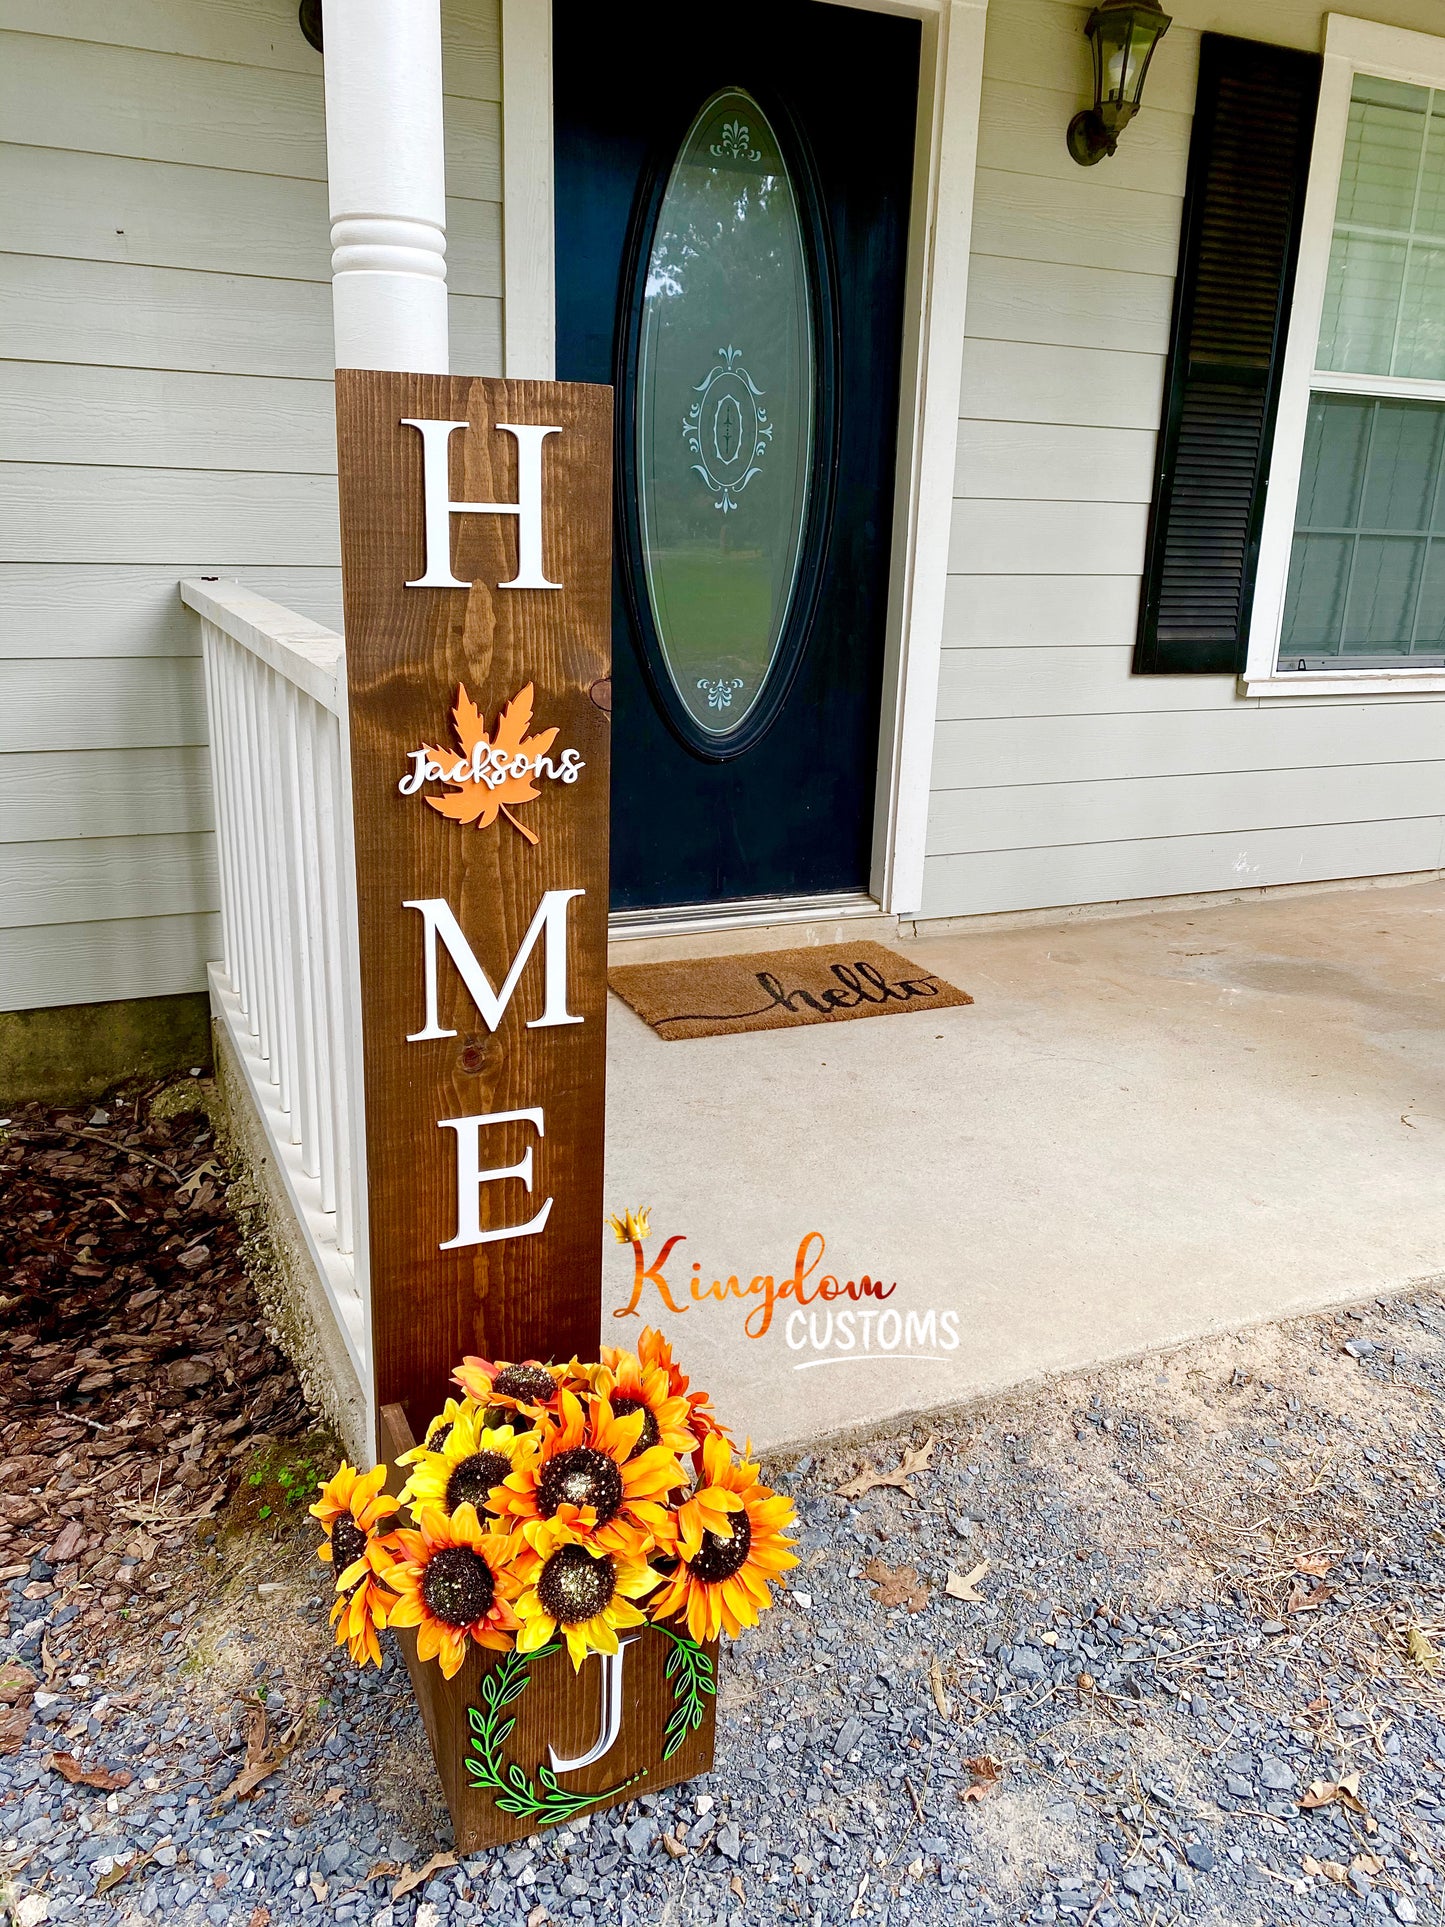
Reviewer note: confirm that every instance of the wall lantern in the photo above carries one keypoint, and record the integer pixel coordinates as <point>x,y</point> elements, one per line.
<point>309,16</point>
<point>1123,35</point>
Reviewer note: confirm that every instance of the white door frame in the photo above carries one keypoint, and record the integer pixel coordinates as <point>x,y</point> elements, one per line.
<point>935,294</point>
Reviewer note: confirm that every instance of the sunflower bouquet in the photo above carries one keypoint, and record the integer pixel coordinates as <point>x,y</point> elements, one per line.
<point>557,1504</point>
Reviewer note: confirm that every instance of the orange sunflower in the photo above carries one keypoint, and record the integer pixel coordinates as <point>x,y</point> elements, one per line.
<point>454,1582</point>
<point>730,1546</point>
<point>350,1508</point>
<point>569,1585</point>
<point>655,1354</point>
<point>586,1473</point>
<point>528,1388</point>
<point>630,1386</point>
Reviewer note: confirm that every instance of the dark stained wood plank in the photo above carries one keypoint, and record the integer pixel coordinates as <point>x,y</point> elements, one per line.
<point>407,649</point>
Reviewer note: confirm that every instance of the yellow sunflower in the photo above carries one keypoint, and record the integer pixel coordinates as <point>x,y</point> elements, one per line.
<point>471,1459</point>
<point>630,1386</point>
<point>454,1582</point>
<point>730,1545</point>
<point>573,1587</point>
<point>584,1470</point>
<point>439,1430</point>
<point>350,1508</point>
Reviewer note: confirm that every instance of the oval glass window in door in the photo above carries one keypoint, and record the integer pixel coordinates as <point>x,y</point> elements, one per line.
<point>725,407</point>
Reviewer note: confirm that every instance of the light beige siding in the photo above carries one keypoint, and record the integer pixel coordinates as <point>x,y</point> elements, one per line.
<point>1058,777</point>
<point>165,410</point>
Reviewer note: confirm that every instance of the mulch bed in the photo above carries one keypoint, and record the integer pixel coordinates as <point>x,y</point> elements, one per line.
<point>135,1367</point>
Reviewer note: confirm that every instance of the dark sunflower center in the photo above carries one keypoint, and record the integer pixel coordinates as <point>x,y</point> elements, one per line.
<point>440,1436</point>
<point>530,1383</point>
<point>650,1434</point>
<point>474,1476</point>
<point>574,1586</point>
<point>580,1477</point>
<point>458,1586</point>
<point>719,1559</point>
<point>348,1542</point>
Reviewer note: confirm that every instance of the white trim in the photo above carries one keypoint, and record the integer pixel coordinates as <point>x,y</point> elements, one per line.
<point>529,294</point>
<point>935,292</point>
<point>1345,682</point>
<point>336,1271</point>
<point>935,298</point>
<point>1351,46</point>
<point>743,913</point>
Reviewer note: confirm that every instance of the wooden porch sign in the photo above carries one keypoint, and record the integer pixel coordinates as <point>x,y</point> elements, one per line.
<point>476,558</point>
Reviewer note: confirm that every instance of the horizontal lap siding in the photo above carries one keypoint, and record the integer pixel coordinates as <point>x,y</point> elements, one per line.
<point>165,411</point>
<point>1059,778</point>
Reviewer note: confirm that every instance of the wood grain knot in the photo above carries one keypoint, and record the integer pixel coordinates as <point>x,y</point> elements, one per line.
<point>601,694</point>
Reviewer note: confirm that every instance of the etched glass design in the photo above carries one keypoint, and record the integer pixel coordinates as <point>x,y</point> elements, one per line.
<point>725,408</point>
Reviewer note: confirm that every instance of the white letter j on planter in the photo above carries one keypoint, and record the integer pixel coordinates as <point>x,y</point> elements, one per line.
<point>440,508</point>
<point>611,1722</point>
<point>471,1178</point>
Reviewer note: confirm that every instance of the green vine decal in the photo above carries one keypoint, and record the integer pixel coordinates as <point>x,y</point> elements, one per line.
<point>693,1682</point>
<point>542,1799</point>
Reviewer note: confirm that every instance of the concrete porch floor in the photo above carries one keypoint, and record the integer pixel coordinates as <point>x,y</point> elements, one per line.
<point>1145,1128</point>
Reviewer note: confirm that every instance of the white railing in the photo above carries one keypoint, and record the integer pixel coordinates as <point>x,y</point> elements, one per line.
<point>283,989</point>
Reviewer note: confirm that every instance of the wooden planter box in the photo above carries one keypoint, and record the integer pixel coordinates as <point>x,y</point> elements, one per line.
<point>557,1709</point>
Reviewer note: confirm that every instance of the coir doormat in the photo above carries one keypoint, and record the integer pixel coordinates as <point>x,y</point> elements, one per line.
<point>776,989</point>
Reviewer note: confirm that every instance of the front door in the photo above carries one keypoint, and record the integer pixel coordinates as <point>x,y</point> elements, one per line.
<point>732,210</point>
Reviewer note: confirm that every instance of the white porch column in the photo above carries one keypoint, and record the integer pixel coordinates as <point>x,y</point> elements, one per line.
<point>387,184</point>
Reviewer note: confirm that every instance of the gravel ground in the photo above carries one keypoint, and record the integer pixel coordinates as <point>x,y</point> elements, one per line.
<point>1198,1682</point>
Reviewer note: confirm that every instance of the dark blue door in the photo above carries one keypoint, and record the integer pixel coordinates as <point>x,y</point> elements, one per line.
<point>732,210</point>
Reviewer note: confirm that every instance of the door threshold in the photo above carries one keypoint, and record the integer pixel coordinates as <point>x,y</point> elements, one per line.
<point>745,923</point>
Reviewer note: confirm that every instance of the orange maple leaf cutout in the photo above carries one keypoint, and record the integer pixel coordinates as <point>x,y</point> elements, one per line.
<point>479,803</point>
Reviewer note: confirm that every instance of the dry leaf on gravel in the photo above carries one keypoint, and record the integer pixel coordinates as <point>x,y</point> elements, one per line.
<point>1317,1563</point>
<point>122,1870</point>
<point>896,1586</point>
<point>935,1683</point>
<point>962,1585</point>
<point>102,1778</point>
<point>538,1916</point>
<point>1330,1869</point>
<point>261,1760</point>
<point>1304,1598</point>
<point>674,1846</point>
<point>1422,1649</point>
<point>414,1877</point>
<point>1322,1792</point>
<point>735,1885</point>
<point>868,1478</point>
<point>1367,1863</point>
<point>986,1771</point>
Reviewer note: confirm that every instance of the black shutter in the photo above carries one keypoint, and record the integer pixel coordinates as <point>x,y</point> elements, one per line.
<point>1249,155</point>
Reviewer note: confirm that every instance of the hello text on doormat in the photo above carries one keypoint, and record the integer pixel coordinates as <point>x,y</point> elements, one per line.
<point>779,989</point>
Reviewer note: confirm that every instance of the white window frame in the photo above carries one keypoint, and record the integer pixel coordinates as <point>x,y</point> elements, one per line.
<point>1394,53</point>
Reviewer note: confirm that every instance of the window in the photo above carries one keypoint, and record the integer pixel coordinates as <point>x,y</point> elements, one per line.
<point>1352,566</point>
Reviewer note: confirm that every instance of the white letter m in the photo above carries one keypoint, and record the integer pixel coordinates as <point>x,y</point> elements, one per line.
<point>550,924</point>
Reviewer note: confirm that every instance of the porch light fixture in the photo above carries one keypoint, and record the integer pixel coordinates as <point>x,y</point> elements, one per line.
<point>1123,35</point>
<point>308,15</point>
